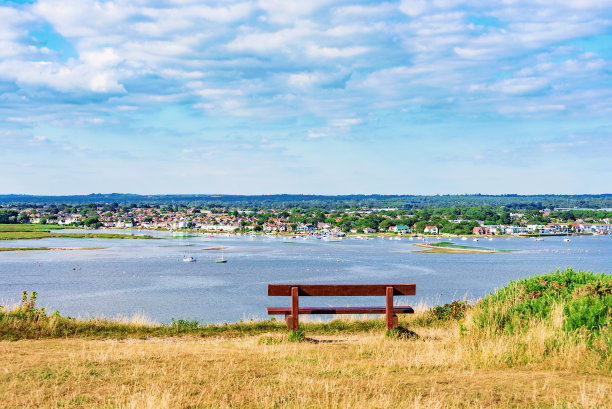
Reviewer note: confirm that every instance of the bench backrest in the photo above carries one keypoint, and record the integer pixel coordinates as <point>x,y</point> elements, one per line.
<point>337,290</point>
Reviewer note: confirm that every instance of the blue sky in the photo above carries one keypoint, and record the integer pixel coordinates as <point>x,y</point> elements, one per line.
<point>320,97</point>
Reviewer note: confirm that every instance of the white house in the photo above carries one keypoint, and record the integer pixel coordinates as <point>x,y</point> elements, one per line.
<point>402,229</point>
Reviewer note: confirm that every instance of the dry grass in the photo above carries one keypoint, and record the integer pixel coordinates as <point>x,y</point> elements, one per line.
<point>436,369</point>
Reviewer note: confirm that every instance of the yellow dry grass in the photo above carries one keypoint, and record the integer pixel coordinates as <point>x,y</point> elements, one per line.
<point>437,369</point>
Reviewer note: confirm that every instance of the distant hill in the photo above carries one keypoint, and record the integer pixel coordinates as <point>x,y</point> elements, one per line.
<point>321,201</point>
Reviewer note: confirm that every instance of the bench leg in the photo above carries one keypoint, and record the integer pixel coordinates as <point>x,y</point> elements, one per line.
<point>289,321</point>
<point>295,310</point>
<point>389,309</point>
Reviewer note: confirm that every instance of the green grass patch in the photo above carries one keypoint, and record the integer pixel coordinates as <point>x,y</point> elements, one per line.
<point>583,300</point>
<point>33,235</point>
<point>448,244</point>
<point>28,322</point>
<point>32,227</point>
<point>23,248</point>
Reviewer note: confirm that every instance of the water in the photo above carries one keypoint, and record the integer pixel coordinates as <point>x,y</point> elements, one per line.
<point>130,277</point>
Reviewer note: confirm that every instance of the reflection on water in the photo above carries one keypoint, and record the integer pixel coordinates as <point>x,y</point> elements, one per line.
<point>148,276</point>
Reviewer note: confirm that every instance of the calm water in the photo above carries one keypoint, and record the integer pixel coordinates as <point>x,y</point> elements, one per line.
<point>148,276</point>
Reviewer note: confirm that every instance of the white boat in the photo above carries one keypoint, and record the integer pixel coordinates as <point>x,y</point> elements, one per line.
<point>188,258</point>
<point>222,259</point>
<point>464,238</point>
<point>475,239</point>
<point>567,239</point>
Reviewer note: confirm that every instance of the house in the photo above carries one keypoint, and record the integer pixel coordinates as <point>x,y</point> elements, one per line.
<point>369,230</point>
<point>515,230</point>
<point>306,228</point>
<point>431,229</point>
<point>181,224</point>
<point>531,228</point>
<point>402,229</point>
<point>480,231</point>
<point>494,228</point>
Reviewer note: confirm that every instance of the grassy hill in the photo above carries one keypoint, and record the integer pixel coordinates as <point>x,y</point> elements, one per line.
<point>542,342</point>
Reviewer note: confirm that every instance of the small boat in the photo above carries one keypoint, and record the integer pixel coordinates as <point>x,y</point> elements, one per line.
<point>188,258</point>
<point>464,238</point>
<point>566,239</point>
<point>475,239</point>
<point>222,259</point>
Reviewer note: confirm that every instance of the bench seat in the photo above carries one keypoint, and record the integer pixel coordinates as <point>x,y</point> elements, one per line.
<point>340,310</point>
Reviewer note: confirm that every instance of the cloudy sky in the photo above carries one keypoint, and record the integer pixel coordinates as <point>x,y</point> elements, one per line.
<point>317,96</point>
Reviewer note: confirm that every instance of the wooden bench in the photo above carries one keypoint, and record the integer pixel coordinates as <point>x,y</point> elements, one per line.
<point>317,290</point>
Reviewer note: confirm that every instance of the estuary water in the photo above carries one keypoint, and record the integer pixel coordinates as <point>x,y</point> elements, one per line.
<point>128,277</point>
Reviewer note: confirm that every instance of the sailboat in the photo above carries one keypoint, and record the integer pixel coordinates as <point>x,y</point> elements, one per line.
<point>567,239</point>
<point>539,238</point>
<point>188,258</point>
<point>222,259</point>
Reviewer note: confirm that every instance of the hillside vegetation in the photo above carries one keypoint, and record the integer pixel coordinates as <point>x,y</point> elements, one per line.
<point>540,342</point>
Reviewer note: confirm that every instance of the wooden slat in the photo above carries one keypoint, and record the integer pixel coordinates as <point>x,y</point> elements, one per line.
<point>334,290</point>
<point>404,309</point>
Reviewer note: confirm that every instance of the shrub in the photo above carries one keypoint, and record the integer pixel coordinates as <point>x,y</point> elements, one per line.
<point>453,311</point>
<point>181,324</point>
<point>585,298</point>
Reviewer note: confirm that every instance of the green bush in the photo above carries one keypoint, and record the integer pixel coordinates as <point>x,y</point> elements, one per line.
<point>586,298</point>
<point>453,311</point>
<point>184,325</point>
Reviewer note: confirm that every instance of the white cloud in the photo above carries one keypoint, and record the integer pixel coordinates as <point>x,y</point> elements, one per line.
<point>303,79</point>
<point>107,57</point>
<point>285,12</point>
<point>531,109</point>
<point>519,85</point>
<point>82,18</point>
<point>333,52</point>
<point>316,135</point>
<point>345,122</point>
<point>413,7</point>
<point>63,77</point>
<point>272,41</point>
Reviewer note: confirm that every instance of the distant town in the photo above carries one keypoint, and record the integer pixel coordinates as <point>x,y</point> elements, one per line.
<point>454,220</point>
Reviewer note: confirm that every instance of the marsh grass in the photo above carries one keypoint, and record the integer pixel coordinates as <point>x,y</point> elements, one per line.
<point>39,234</point>
<point>31,227</point>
